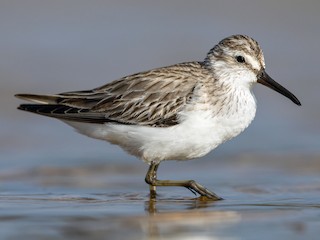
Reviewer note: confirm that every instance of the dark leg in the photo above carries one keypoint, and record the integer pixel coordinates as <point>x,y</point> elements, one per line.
<point>151,179</point>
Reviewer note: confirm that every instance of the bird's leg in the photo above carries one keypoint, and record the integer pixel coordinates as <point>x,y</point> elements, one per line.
<point>193,186</point>
<point>151,177</point>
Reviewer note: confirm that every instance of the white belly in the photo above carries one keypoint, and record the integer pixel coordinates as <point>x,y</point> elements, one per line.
<point>198,134</point>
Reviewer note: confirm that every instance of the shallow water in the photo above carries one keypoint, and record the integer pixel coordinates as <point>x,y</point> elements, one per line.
<point>56,184</point>
<point>265,199</point>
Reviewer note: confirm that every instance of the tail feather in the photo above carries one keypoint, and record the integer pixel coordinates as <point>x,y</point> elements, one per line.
<point>80,99</point>
<point>42,99</point>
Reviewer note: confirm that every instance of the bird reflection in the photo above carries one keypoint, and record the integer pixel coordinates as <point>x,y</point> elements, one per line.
<point>184,217</point>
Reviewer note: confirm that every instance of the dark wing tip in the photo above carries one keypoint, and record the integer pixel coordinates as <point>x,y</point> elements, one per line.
<point>27,108</point>
<point>36,108</point>
<point>65,113</point>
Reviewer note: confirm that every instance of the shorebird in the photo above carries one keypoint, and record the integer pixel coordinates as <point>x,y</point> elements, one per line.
<point>177,112</point>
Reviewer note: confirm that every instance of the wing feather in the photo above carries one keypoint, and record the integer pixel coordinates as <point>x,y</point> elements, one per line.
<point>148,98</point>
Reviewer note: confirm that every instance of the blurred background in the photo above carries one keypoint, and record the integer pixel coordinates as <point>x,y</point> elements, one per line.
<point>57,46</point>
<point>56,183</point>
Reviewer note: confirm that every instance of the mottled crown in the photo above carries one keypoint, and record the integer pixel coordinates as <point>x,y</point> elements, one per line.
<point>235,44</point>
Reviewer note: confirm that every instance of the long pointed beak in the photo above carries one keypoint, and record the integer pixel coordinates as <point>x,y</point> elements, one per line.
<point>266,80</point>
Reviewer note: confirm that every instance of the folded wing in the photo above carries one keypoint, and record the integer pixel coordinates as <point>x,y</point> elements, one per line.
<point>148,98</point>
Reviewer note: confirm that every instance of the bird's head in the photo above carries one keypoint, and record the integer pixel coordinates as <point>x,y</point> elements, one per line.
<point>239,60</point>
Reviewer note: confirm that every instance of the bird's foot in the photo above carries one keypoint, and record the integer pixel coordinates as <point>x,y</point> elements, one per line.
<point>195,187</point>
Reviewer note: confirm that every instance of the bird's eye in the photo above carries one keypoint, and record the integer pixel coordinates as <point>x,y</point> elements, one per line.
<point>240,59</point>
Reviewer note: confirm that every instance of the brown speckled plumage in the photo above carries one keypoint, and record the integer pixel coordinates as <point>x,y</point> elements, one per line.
<point>148,98</point>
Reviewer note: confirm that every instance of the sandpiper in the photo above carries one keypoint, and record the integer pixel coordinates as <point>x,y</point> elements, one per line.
<point>177,112</point>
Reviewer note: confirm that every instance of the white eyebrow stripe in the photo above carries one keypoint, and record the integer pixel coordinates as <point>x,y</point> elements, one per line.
<point>254,64</point>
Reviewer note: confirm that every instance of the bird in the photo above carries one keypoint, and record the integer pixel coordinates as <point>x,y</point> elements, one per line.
<point>177,112</point>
